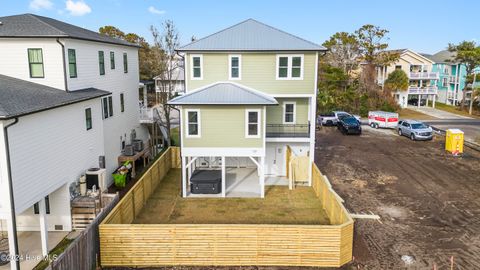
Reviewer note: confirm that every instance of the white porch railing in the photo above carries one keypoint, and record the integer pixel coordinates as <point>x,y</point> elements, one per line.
<point>426,90</point>
<point>424,75</point>
<point>146,114</point>
<point>451,79</point>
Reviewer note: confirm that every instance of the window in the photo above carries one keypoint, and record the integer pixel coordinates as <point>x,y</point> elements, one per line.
<point>197,62</point>
<point>36,207</point>
<point>397,67</point>
<point>101,62</point>
<point>289,112</point>
<point>444,81</point>
<point>112,60</point>
<point>235,62</point>
<point>252,128</point>
<point>107,107</point>
<point>72,63</point>
<point>446,71</point>
<point>88,118</point>
<point>35,62</point>
<point>122,103</point>
<point>289,67</point>
<point>125,63</point>
<point>193,123</point>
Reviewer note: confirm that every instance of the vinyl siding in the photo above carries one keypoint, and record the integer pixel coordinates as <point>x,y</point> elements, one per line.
<point>258,71</point>
<point>222,126</point>
<point>275,113</point>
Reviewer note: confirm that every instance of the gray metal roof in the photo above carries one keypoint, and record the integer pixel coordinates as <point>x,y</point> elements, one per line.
<point>251,35</point>
<point>444,56</point>
<point>19,97</point>
<point>224,93</point>
<point>30,25</point>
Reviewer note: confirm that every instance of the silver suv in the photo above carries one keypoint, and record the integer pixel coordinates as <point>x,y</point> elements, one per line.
<point>415,130</point>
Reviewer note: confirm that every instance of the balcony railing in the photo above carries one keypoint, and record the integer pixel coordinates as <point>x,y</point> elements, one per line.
<point>146,114</point>
<point>451,79</point>
<point>288,131</point>
<point>424,75</point>
<point>431,90</point>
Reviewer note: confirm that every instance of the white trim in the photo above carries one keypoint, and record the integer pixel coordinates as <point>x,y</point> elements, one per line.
<point>201,66</point>
<point>286,139</point>
<point>315,86</point>
<point>289,67</point>
<point>224,176</point>
<point>284,113</point>
<point>259,121</point>
<point>199,124</point>
<point>292,95</point>
<point>230,56</point>
<point>185,72</point>
<point>222,151</point>
<point>264,126</point>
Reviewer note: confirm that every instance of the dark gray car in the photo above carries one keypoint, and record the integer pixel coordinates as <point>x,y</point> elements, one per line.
<point>415,130</point>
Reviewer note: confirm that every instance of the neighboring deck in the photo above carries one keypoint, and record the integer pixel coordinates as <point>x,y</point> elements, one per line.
<point>280,206</point>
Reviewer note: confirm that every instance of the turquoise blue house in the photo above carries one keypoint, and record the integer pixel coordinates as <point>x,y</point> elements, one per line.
<point>452,77</point>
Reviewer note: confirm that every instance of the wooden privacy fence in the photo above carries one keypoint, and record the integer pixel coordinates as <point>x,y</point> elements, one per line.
<point>83,252</point>
<point>142,245</point>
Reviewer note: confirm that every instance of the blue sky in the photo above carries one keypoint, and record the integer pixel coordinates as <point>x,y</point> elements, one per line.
<point>422,25</point>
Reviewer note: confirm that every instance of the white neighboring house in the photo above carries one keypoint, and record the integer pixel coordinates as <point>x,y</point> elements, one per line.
<point>68,96</point>
<point>178,78</point>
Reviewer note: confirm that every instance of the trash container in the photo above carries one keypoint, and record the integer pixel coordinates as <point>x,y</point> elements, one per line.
<point>454,141</point>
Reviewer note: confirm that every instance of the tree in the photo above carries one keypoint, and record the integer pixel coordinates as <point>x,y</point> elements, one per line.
<point>467,53</point>
<point>111,31</point>
<point>164,45</point>
<point>397,80</point>
<point>372,45</point>
<point>343,51</point>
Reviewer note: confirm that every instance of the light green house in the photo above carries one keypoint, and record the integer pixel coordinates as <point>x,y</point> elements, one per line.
<point>250,95</point>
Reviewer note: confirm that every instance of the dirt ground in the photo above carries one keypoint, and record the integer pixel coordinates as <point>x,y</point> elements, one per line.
<point>428,200</point>
<point>280,206</point>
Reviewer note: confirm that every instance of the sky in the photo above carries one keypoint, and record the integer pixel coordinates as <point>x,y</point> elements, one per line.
<point>425,26</point>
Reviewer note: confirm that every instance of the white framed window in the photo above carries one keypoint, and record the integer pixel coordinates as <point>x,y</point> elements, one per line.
<point>234,67</point>
<point>193,123</point>
<point>107,107</point>
<point>289,108</point>
<point>445,82</point>
<point>252,123</point>
<point>197,67</point>
<point>290,67</point>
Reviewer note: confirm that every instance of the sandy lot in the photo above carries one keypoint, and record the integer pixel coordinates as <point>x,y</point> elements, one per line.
<point>428,200</point>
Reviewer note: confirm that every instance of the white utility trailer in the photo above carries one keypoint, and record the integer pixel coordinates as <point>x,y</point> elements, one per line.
<point>381,119</point>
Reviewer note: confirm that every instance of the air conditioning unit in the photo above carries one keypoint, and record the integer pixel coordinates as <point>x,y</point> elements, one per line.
<point>97,177</point>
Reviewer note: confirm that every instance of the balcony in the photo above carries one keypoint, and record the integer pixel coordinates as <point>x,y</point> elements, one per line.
<point>146,115</point>
<point>424,76</point>
<point>451,79</point>
<point>288,131</point>
<point>425,90</point>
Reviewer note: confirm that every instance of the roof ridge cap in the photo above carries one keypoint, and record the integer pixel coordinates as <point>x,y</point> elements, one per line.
<point>38,18</point>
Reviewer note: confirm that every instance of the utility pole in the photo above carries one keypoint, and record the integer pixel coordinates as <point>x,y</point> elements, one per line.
<point>472,93</point>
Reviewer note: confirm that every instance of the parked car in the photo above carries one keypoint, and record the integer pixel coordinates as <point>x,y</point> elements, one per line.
<point>415,130</point>
<point>381,119</point>
<point>331,118</point>
<point>414,102</point>
<point>349,125</point>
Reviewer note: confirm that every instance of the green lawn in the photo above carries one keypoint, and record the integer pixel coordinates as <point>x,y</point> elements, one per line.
<point>411,114</point>
<point>452,109</point>
<point>280,206</point>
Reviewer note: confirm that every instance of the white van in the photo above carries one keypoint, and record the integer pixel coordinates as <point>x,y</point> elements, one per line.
<point>381,119</point>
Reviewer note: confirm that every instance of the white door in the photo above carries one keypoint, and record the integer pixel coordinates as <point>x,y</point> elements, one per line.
<point>274,160</point>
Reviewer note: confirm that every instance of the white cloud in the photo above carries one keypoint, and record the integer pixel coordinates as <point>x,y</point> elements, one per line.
<point>153,10</point>
<point>40,4</point>
<point>77,8</point>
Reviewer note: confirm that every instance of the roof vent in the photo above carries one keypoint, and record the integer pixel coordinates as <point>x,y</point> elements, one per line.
<point>1,23</point>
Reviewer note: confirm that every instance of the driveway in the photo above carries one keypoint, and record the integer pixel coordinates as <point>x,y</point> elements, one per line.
<point>438,113</point>
<point>427,199</point>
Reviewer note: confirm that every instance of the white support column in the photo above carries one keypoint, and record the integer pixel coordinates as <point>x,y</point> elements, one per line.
<point>313,107</point>
<point>224,186</point>
<point>145,95</point>
<point>262,176</point>
<point>433,102</point>
<point>11,243</point>
<point>43,226</point>
<point>184,176</point>
<point>189,166</point>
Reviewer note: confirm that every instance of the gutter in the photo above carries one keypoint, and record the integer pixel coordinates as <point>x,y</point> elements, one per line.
<point>64,65</point>
<point>10,187</point>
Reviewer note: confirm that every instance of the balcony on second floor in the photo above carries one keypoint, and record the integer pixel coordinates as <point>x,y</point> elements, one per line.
<point>424,75</point>
<point>452,79</point>
<point>288,131</point>
<point>425,90</point>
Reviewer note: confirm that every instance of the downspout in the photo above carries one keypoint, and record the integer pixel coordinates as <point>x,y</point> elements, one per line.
<point>64,65</point>
<point>10,187</point>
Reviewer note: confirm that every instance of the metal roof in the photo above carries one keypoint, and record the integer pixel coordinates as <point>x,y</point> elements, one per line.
<point>252,35</point>
<point>19,97</point>
<point>224,93</point>
<point>444,56</point>
<point>31,25</point>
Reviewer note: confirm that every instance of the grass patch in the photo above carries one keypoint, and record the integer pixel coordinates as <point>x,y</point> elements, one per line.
<point>59,249</point>
<point>411,114</point>
<point>453,109</point>
<point>175,136</point>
